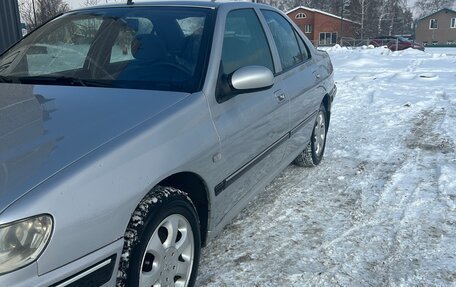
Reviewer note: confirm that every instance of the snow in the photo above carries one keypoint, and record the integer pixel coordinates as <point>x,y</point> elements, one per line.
<point>65,56</point>
<point>380,210</point>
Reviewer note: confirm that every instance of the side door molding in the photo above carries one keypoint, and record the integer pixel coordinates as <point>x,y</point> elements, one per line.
<point>219,188</point>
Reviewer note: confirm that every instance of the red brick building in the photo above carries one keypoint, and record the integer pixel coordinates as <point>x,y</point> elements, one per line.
<point>323,28</point>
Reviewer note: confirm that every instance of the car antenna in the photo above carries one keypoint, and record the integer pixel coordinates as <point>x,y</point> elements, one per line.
<point>130,2</point>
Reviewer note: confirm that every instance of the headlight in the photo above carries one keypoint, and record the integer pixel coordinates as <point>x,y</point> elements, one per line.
<point>21,242</point>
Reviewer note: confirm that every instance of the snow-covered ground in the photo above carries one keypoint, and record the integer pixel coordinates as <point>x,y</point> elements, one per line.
<point>381,208</point>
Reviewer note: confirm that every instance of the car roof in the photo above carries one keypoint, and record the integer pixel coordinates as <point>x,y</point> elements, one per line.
<point>385,37</point>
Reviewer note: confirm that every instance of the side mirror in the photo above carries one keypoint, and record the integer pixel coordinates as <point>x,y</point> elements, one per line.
<point>252,78</point>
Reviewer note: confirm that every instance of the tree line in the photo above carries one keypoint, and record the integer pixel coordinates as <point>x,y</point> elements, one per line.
<point>36,12</point>
<point>377,17</point>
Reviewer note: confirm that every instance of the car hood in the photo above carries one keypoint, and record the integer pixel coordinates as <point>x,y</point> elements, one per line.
<point>43,129</point>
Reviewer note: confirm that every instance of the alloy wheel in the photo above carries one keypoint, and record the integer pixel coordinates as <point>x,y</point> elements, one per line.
<point>169,255</point>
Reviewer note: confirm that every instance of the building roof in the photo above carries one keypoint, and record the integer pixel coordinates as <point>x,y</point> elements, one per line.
<point>321,12</point>
<point>448,9</point>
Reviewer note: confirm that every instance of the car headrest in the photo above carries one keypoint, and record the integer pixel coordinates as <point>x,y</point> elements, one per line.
<point>133,24</point>
<point>147,47</point>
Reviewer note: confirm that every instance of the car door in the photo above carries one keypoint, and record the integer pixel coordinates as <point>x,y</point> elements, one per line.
<point>251,125</point>
<point>299,77</point>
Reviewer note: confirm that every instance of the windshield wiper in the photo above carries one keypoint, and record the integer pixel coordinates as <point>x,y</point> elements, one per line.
<point>97,83</point>
<point>51,79</point>
<point>4,79</point>
<point>63,80</point>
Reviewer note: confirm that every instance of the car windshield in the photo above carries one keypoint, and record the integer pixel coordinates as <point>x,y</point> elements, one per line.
<point>159,48</point>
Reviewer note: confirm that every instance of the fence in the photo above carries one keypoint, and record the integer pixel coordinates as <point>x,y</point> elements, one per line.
<point>345,41</point>
<point>353,42</point>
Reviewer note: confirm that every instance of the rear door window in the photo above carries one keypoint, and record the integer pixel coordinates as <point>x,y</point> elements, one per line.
<point>284,38</point>
<point>303,47</point>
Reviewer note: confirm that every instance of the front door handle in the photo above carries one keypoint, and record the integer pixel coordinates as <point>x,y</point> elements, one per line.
<point>280,96</point>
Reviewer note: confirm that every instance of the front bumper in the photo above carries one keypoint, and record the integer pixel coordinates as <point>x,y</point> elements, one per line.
<point>96,269</point>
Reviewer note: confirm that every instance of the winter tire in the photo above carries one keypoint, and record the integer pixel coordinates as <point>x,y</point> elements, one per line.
<point>313,153</point>
<point>162,242</point>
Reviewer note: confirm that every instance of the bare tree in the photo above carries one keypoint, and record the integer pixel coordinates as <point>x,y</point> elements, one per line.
<point>363,7</point>
<point>393,16</point>
<point>377,17</point>
<point>36,12</point>
<point>426,7</point>
<point>48,9</point>
<point>27,10</point>
<point>88,3</point>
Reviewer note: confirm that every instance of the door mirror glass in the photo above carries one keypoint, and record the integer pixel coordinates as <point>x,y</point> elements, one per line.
<point>252,78</point>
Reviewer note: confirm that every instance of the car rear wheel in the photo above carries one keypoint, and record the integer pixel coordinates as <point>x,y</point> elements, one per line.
<point>162,242</point>
<point>313,154</point>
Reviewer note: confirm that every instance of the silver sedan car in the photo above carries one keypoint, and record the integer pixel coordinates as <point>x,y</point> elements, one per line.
<point>130,135</point>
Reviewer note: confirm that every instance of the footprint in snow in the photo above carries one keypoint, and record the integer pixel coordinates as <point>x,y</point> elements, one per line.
<point>428,76</point>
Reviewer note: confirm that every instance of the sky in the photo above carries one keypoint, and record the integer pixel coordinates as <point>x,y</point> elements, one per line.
<point>77,3</point>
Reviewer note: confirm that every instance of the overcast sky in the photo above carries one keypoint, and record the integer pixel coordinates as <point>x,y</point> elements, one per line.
<point>78,3</point>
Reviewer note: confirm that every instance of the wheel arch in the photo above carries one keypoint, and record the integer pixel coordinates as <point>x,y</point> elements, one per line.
<point>197,190</point>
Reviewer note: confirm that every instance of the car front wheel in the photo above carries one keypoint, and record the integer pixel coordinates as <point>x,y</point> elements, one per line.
<point>162,242</point>
<point>313,154</point>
